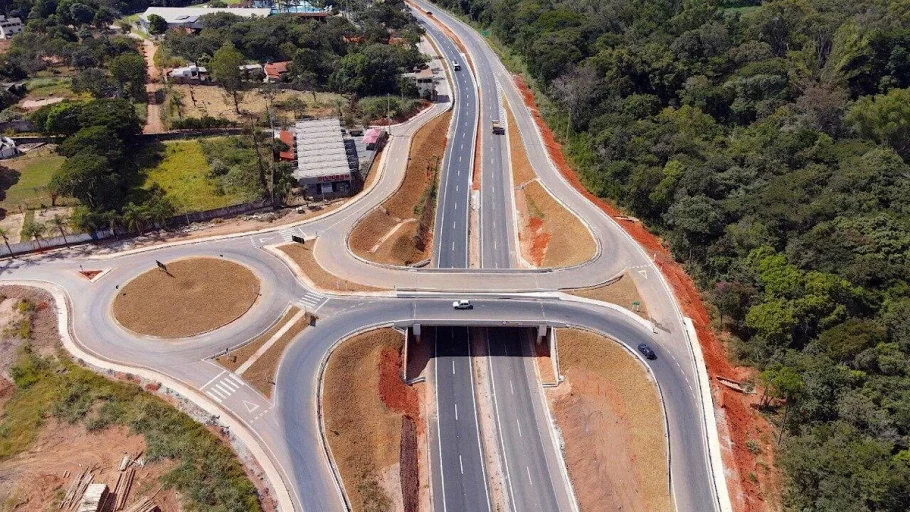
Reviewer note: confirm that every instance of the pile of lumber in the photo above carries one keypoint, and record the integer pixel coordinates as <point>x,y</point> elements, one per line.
<point>76,489</point>
<point>123,486</point>
<point>144,504</point>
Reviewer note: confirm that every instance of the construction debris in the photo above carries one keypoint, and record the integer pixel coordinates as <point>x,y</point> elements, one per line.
<point>144,504</point>
<point>94,496</point>
<point>76,490</point>
<point>735,385</point>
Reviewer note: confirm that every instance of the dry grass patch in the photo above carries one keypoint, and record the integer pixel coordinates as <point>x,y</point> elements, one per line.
<point>213,101</point>
<point>367,411</point>
<point>233,359</point>
<point>415,201</point>
<point>302,255</point>
<point>261,374</point>
<point>622,293</point>
<point>195,295</point>
<point>549,235</point>
<point>611,420</point>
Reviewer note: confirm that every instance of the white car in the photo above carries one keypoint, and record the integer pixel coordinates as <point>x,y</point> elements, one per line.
<point>462,304</point>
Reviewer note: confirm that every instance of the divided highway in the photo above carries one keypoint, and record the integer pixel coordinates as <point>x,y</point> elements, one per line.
<point>287,425</point>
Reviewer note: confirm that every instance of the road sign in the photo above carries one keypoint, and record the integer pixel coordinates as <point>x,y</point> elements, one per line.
<point>298,239</point>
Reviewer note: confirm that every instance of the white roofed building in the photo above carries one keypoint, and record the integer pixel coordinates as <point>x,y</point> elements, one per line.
<point>188,17</point>
<point>9,27</point>
<point>325,162</point>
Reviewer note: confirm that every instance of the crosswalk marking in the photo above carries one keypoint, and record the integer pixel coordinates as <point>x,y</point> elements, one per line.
<point>221,388</point>
<point>286,234</point>
<point>311,300</point>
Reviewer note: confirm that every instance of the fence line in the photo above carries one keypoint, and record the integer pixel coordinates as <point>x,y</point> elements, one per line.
<point>103,234</point>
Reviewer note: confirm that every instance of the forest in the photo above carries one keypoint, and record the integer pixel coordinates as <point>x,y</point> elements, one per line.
<point>768,144</point>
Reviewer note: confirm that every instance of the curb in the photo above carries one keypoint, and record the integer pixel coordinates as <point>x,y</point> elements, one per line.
<point>713,442</point>
<point>225,417</point>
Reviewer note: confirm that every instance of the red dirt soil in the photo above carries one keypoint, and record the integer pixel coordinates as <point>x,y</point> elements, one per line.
<point>539,242</point>
<point>89,274</point>
<point>395,394</point>
<point>742,420</point>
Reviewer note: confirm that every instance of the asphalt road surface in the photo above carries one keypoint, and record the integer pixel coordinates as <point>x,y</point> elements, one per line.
<point>460,482</point>
<point>287,425</point>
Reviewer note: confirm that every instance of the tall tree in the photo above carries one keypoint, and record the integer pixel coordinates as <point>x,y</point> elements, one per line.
<point>129,72</point>
<point>225,68</point>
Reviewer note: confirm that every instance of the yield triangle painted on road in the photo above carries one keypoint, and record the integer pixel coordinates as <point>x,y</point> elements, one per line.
<point>250,407</point>
<point>644,273</point>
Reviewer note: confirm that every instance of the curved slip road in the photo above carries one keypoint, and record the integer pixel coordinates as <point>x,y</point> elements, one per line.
<point>287,424</point>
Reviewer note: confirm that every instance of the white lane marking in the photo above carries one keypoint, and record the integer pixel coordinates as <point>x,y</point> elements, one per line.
<point>453,367</point>
<point>456,412</point>
<point>460,464</point>
<point>511,387</point>
<point>529,475</point>
<point>209,393</point>
<point>453,246</point>
<point>213,379</point>
<point>519,427</point>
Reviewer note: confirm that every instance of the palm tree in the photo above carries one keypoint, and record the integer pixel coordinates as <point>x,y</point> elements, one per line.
<point>37,231</point>
<point>113,219</point>
<point>61,221</point>
<point>133,217</point>
<point>5,235</point>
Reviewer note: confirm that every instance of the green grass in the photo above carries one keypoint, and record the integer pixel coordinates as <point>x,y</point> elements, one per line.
<point>34,174</point>
<point>52,87</point>
<point>207,473</point>
<point>183,173</point>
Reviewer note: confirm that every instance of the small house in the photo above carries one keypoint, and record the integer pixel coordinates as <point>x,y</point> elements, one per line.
<point>275,72</point>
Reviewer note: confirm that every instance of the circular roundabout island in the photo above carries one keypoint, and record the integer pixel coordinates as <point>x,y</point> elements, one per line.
<point>186,297</point>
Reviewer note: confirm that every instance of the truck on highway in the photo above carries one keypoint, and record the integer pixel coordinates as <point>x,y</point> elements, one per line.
<point>498,128</point>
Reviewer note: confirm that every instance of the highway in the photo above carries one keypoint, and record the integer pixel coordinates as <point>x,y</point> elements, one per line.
<point>287,425</point>
<point>460,481</point>
<point>532,465</point>
<point>450,243</point>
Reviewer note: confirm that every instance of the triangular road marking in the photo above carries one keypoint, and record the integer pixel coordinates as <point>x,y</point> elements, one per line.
<point>250,407</point>
<point>644,273</point>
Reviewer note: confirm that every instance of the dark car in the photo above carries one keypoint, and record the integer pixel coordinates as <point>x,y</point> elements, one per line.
<point>646,351</point>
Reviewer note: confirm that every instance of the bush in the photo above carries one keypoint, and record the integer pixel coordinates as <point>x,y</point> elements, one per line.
<point>202,123</point>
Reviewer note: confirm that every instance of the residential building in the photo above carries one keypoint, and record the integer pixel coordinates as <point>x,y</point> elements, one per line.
<point>9,27</point>
<point>7,148</point>
<point>275,71</point>
<point>188,17</point>
<point>189,74</point>
<point>425,80</point>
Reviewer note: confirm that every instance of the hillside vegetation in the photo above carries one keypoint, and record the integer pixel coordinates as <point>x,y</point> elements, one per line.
<point>768,143</point>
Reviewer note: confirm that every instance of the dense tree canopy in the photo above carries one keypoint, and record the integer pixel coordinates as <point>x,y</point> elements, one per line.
<point>768,143</point>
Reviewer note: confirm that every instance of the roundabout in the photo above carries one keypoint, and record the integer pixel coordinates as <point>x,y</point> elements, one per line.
<point>166,302</point>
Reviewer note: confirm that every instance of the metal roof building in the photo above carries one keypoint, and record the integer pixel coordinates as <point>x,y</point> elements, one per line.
<point>187,17</point>
<point>322,155</point>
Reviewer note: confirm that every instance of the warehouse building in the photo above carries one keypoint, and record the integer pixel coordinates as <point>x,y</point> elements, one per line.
<point>326,162</point>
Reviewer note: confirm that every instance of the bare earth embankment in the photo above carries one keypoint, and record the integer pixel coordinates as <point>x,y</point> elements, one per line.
<point>621,292</point>
<point>549,235</point>
<point>373,424</point>
<point>58,420</point>
<point>399,232</point>
<point>609,413</point>
<point>166,304</point>
<point>302,256</point>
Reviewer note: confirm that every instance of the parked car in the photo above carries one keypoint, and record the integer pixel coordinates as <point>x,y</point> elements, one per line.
<point>456,66</point>
<point>646,351</point>
<point>462,304</point>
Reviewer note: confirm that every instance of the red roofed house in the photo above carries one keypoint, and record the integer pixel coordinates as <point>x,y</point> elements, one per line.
<point>275,71</point>
<point>288,138</point>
